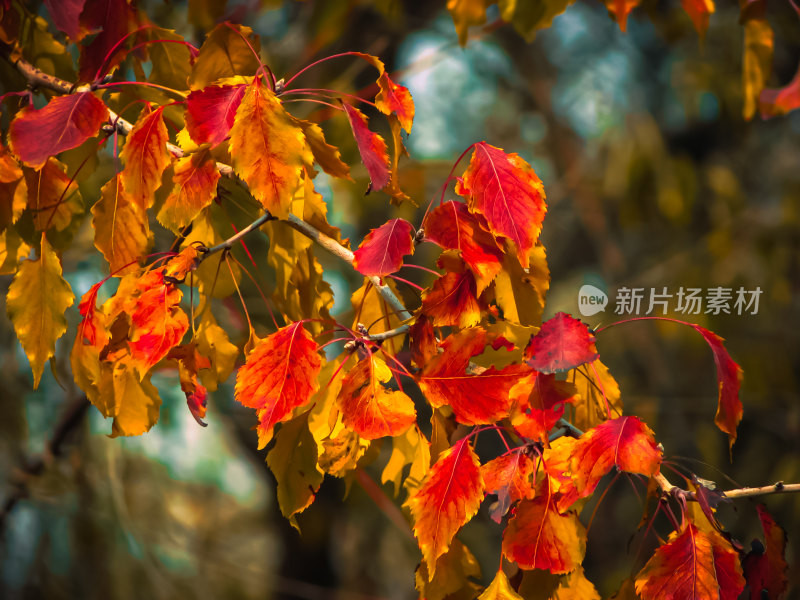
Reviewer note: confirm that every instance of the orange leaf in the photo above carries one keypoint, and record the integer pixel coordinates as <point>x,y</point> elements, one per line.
<point>371,147</point>
<point>157,323</point>
<point>195,180</point>
<point>145,156</point>
<point>620,9</point>
<point>453,301</point>
<point>394,98</point>
<point>539,537</point>
<point>447,500</point>
<point>699,11</point>
<point>692,565</point>
<point>269,150</point>
<point>453,227</point>
<point>64,123</point>
<point>368,408</point>
<point>539,403</point>
<point>475,399</point>
<point>53,196</point>
<point>626,443</point>
<point>279,375</point>
<point>508,476</point>
<point>505,190</point>
<point>178,267</point>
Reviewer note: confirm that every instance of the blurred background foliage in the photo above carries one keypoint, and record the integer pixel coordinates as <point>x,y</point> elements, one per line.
<point>653,178</point>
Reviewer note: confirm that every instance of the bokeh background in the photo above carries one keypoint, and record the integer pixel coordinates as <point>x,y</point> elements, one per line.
<point>653,179</point>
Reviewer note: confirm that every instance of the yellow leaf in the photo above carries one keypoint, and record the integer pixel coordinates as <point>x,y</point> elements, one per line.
<point>225,53</point>
<point>137,402</point>
<point>213,343</point>
<point>520,294</point>
<point>341,453</point>
<point>466,13</point>
<point>413,449</point>
<point>590,408</point>
<point>452,575</point>
<point>293,461</point>
<point>12,251</point>
<point>529,17</point>
<point>195,185</point>
<point>372,311</point>
<point>499,589</point>
<point>52,196</point>
<point>269,150</point>
<point>575,586</point>
<point>326,156</point>
<point>757,63</point>
<point>122,232</point>
<point>36,302</point>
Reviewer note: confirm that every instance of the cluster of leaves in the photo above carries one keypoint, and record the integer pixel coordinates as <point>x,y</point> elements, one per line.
<point>475,348</point>
<point>530,17</point>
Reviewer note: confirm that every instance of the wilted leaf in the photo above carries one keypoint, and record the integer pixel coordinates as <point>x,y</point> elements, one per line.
<point>692,564</point>
<point>64,123</point>
<point>136,402</point>
<point>510,196</point>
<point>279,375</point>
<point>448,499</point>
<point>341,453</point>
<point>369,408</point>
<point>326,156</point>
<point>36,301</point>
<point>371,147</point>
<point>598,393</point>
<point>562,343</point>
<point>381,253</point>
<point>213,342</point>
<point>620,9</point>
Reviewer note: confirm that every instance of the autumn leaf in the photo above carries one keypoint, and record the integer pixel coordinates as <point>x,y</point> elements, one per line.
<point>225,53</point>
<point>381,253</point>
<point>699,11</point>
<point>342,452</point>
<point>510,196</point>
<point>195,185</point>
<point>453,227</point>
<point>599,395</point>
<point>729,379</point>
<point>53,196</point>
<point>562,343</point>
<point>279,375</point>
<point>157,323</point>
<point>619,11</point>
<point>625,443</point>
<point>765,568</point>
<point>521,293</point>
<point>269,151</point>
<point>136,401</point>
<point>121,228</point>
<point>538,403</point>
<point>448,499</point>
<point>422,341</point>
<point>293,461</point>
<point>210,112</point>
<point>757,56</point>
<point>36,301</point>
<point>776,102</point>
<point>539,537</point>
<point>370,409</point>
<point>64,123</point>
<point>409,449</point>
<point>509,476</point>
<point>453,301</point>
<point>371,147</point>
<point>500,589</point>
<point>326,156</point>
<point>692,564</point>
<point>474,398</point>
<point>115,18</point>
<point>453,575</point>
<point>395,98</point>
<point>467,13</point>
<point>65,15</point>
<point>179,266</point>
<point>213,342</point>
<point>145,156</point>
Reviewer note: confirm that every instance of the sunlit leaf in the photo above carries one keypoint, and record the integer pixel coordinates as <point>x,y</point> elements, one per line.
<point>381,253</point>
<point>410,448</point>
<point>53,196</point>
<point>453,301</point>
<point>395,98</point>
<point>371,147</point>
<point>145,156</point>
<point>500,589</point>
<point>210,112</point>
<point>562,343</point>
<point>510,477</point>
<point>195,185</point>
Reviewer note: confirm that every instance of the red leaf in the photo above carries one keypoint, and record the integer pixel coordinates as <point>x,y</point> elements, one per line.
<point>476,398</point>
<point>196,401</point>
<point>625,443</point>
<point>65,123</point>
<point>508,476</point>
<point>65,15</point>
<point>539,403</point>
<point>381,253</point>
<point>505,190</point>
<point>368,408</point>
<point>699,11</point>
<point>210,112</point>
<point>279,375</point>
<point>776,102</point>
<point>145,156</point>
<point>539,537</point>
<point>423,341</point>
<point>694,565</point>
<point>92,330</point>
<point>729,379</point>
<point>766,572</point>
<point>116,18</point>
<point>453,301</point>
<point>447,500</point>
<point>371,147</point>
<point>562,343</point>
<point>453,227</point>
<point>394,98</point>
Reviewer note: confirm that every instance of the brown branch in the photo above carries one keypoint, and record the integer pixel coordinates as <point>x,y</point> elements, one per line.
<point>746,492</point>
